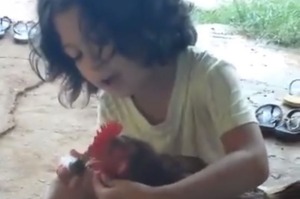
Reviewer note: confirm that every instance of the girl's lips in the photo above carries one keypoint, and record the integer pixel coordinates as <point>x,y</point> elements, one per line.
<point>106,81</point>
<point>109,81</point>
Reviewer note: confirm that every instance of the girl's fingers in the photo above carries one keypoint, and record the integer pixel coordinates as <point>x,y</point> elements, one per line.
<point>82,184</point>
<point>104,179</point>
<point>97,185</point>
<point>97,167</point>
<point>87,181</point>
<point>91,178</point>
<point>94,164</point>
<point>63,174</point>
<point>75,182</point>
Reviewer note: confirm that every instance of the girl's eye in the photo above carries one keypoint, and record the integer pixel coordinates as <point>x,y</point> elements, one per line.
<point>78,56</point>
<point>74,54</point>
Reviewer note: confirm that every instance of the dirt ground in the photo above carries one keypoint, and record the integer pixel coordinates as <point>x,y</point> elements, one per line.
<point>35,129</point>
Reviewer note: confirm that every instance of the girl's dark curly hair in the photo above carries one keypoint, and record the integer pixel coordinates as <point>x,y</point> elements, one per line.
<point>151,31</point>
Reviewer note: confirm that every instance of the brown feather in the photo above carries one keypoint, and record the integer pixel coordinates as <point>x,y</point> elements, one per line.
<point>291,191</point>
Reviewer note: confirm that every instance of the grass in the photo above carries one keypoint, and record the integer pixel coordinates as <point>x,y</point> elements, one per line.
<point>276,21</point>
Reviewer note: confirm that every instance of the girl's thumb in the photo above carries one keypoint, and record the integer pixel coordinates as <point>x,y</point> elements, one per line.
<point>105,180</point>
<point>98,187</point>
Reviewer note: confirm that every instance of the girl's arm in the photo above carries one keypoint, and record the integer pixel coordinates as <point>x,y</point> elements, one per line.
<point>243,168</point>
<point>245,165</point>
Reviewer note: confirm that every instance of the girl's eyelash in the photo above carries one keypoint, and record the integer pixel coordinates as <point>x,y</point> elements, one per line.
<point>78,56</point>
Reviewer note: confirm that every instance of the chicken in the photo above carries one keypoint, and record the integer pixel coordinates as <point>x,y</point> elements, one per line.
<point>123,157</point>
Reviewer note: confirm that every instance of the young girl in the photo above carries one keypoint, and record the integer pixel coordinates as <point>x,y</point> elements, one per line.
<point>138,54</point>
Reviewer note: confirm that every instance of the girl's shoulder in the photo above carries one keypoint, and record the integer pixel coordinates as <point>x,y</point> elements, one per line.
<point>203,62</point>
<point>209,74</point>
<point>204,67</point>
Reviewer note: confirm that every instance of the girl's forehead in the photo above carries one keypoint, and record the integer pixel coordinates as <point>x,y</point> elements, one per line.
<point>67,26</point>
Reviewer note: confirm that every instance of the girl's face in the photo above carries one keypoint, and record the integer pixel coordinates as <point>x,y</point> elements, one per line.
<point>118,76</point>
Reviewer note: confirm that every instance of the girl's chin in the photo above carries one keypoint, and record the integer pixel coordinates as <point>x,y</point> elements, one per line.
<point>118,92</point>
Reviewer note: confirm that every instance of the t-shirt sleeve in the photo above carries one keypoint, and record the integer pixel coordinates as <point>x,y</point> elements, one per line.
<point>226,103</point>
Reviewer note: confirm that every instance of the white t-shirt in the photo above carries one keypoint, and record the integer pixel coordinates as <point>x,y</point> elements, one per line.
<point>206,103</point>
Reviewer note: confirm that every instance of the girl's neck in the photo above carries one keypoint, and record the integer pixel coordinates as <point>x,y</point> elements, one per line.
<point>153,99</point>
<point>160,80</point>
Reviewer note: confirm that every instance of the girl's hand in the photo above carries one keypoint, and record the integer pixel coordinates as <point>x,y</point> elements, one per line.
<point>121,189</point>
<point>62,171</point>
<point>82,183</point>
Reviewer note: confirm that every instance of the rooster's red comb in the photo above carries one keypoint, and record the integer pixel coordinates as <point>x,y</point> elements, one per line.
<point>105,134</point>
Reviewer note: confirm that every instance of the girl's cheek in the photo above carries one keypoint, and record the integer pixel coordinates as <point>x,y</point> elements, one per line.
<point>107,52</point>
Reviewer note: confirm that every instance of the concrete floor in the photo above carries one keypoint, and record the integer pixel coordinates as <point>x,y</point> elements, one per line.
<point>28,152</point>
